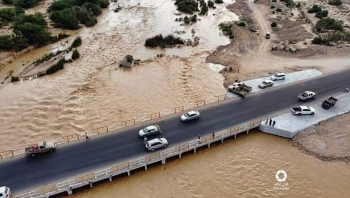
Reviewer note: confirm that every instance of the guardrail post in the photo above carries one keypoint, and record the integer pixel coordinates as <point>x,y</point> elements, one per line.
<point>91,184</point>
<point>163,161</point>
<point>70,190</point>
<point>146,166</point>
<point>110,178</point>
<point>222,140</point>
<point>247,131</point>
<point>180,155</point>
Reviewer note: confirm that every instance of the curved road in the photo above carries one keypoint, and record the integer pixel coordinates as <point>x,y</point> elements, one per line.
<point>27,172</point>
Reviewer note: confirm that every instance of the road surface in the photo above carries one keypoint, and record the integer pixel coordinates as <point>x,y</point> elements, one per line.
<point>70,160</point>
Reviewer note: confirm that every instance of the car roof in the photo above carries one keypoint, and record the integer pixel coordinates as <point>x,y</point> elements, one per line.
<point>280,74</point>
<point>2,189</point>
<point>155,140</point>
<point>304,107</point>
<point>192,112</point>
<point>308,92</point>
<point>269,81</point>
<point>151,127</point>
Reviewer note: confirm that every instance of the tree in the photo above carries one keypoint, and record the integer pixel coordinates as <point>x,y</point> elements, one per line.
<point>7,2</point>
<point>6,42</point>
<point>210,4</point>
<point>273,24</point>
<point>329,24</point>
<point>335,2</point>
<point>75,54</point>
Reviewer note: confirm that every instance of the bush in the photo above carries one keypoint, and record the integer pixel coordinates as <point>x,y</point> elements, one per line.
<point>103,3</point>
<point>314,9</point>
<point>273,24</point>
<point>77,42</point>
<point>186,6</point>
<point>75,54</point>
<point>322,14</point>
<point>187,20</point>
<point>6,42</point>
<point>193,18</point>
<point>226,30</point>
<point>298,5</point>
<point>210,4</point>
<point>317,40</point>
<point>272,7</point>
<point>279,10</point>
<point>26,3</point>
<point>218,1</point>
<point>162,42</point>
<point>241,23</point>
<point>274,0</point>
<point>335,2</point>
<point>204,9</point>
<point>329,24</point>
<point>54,68</point>
<point>273,12</point>
<point>7,15</point>
<point>14,78</point>
<point>7,2</point>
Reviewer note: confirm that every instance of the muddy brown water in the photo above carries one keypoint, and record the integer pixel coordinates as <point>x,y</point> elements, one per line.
<point>242,167</point>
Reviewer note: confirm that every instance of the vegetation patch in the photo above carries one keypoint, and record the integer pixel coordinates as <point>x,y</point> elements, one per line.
<point>76,43</point>
<point>273,24</point>
<point>163,42</point>
<point>329,24</point>
<point>314,9</point>
<point>187,6</point>
<point>332,37</point>
<point>335,2</point>
<point>54,68</point>
<point>219,1</point>
<point>322,14</point>
<point>69,14</point>
<point>14,78</point>
<point>7,15</point>
<point>75,54</point>
<point>226,29</point>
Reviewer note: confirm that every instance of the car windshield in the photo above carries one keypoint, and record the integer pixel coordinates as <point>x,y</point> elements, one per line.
<point>304,94</point>
<point>276,75</point>
<point>187,115</point>
<point>145,129</point>
<point>44,143</point>
<point>266,82</point>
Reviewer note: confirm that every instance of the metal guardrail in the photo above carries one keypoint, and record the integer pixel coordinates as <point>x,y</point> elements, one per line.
<point>116,126</point>
<point>126,167</point>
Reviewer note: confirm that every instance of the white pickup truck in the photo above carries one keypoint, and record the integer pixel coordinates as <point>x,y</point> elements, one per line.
<point>306,95</point>
<point>303,110</point>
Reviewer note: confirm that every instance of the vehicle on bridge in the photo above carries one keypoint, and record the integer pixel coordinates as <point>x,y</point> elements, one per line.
<point>266,83</point>
<point>278,76</point>
<point>156,143</point>
<point>191,115</point>
<point>330,102</point>
<point>41,147</point>
<point>240,89</point>
<point>303,110</point>
<point>5,192</point>
<point>150,130</point>
<point>306,95</point>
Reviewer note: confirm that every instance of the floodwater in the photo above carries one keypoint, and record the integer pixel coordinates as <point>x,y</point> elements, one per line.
<point>242,167</point>
<point>93,91</point>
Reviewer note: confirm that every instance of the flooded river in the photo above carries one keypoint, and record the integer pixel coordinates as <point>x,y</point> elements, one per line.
<point>242,167</point>
<point>93,91</point>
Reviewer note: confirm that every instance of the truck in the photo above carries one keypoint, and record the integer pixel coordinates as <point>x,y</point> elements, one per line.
<point>330,102</point>
<point>306,95</point>
<point>40,147</point>
<point>240,89</point>
<point>303,110</point>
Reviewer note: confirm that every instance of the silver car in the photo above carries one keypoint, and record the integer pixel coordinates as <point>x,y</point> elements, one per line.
<point>266,83</point>
<point>157,143</point>
<point>278,76</point>
<point>191,115</point>
<point>150,130</point>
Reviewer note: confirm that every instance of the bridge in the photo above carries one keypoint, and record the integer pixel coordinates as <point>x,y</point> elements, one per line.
<point>67,161</point>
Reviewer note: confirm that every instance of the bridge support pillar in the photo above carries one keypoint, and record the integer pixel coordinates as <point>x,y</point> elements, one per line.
<point>110,179</point>
<point>146,167</point>
<point>70,191</point>
<point>91,184</point>
<point>235,136</point>
<point>194,150</point>
<point>180,155</point>
<point>222,140</point>
<point>128,173</point>
<point>163,161</point>
<point>209,145</point>
<point>247,131</point>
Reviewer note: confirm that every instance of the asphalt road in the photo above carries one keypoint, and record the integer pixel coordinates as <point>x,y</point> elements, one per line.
<point>29,172</point>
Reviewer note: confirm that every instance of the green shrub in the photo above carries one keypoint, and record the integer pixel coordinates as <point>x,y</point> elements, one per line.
<point>26,3</point>
<point>317,40</point>
<point>162,42</point>
<point>279,10</point>
<point>314,9</point>
<point>210,4</point>
<point>186,6</point>
<point>322,14</point>
<point>219,1</point>
<point>329,24</point>
<point>204,9</point>
<point>193,18</point>
<point>14,78</point>
<point>54,68</point>
<point>226,30</point>
<point>8,2</point>
<point>273,24</point>
<point>75,54</point>
<point>103,3</point>
<point>19,10</point>
<point>241,23</point>
<point>6,42</point>
<point>273,12</point>
<point>77,42</point>
<point>274,0</point>
<point>187,20</point>
<point>272,7</point>
<point>335,2</point>
<point>7,15</point>
<point>298,5</point>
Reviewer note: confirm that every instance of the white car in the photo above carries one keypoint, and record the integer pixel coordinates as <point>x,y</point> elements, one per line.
<point>5,192</point>
<point>278,76</point>
<point>306,95</point>
<point>150,130</point>
<point>157,143</point>
<point>266,83</point>
<point>303,110</point>
<point>191,115</point>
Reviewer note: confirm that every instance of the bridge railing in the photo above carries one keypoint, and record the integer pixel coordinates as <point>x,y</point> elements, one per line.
<point>143,161</point>
<point>113,127</point>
